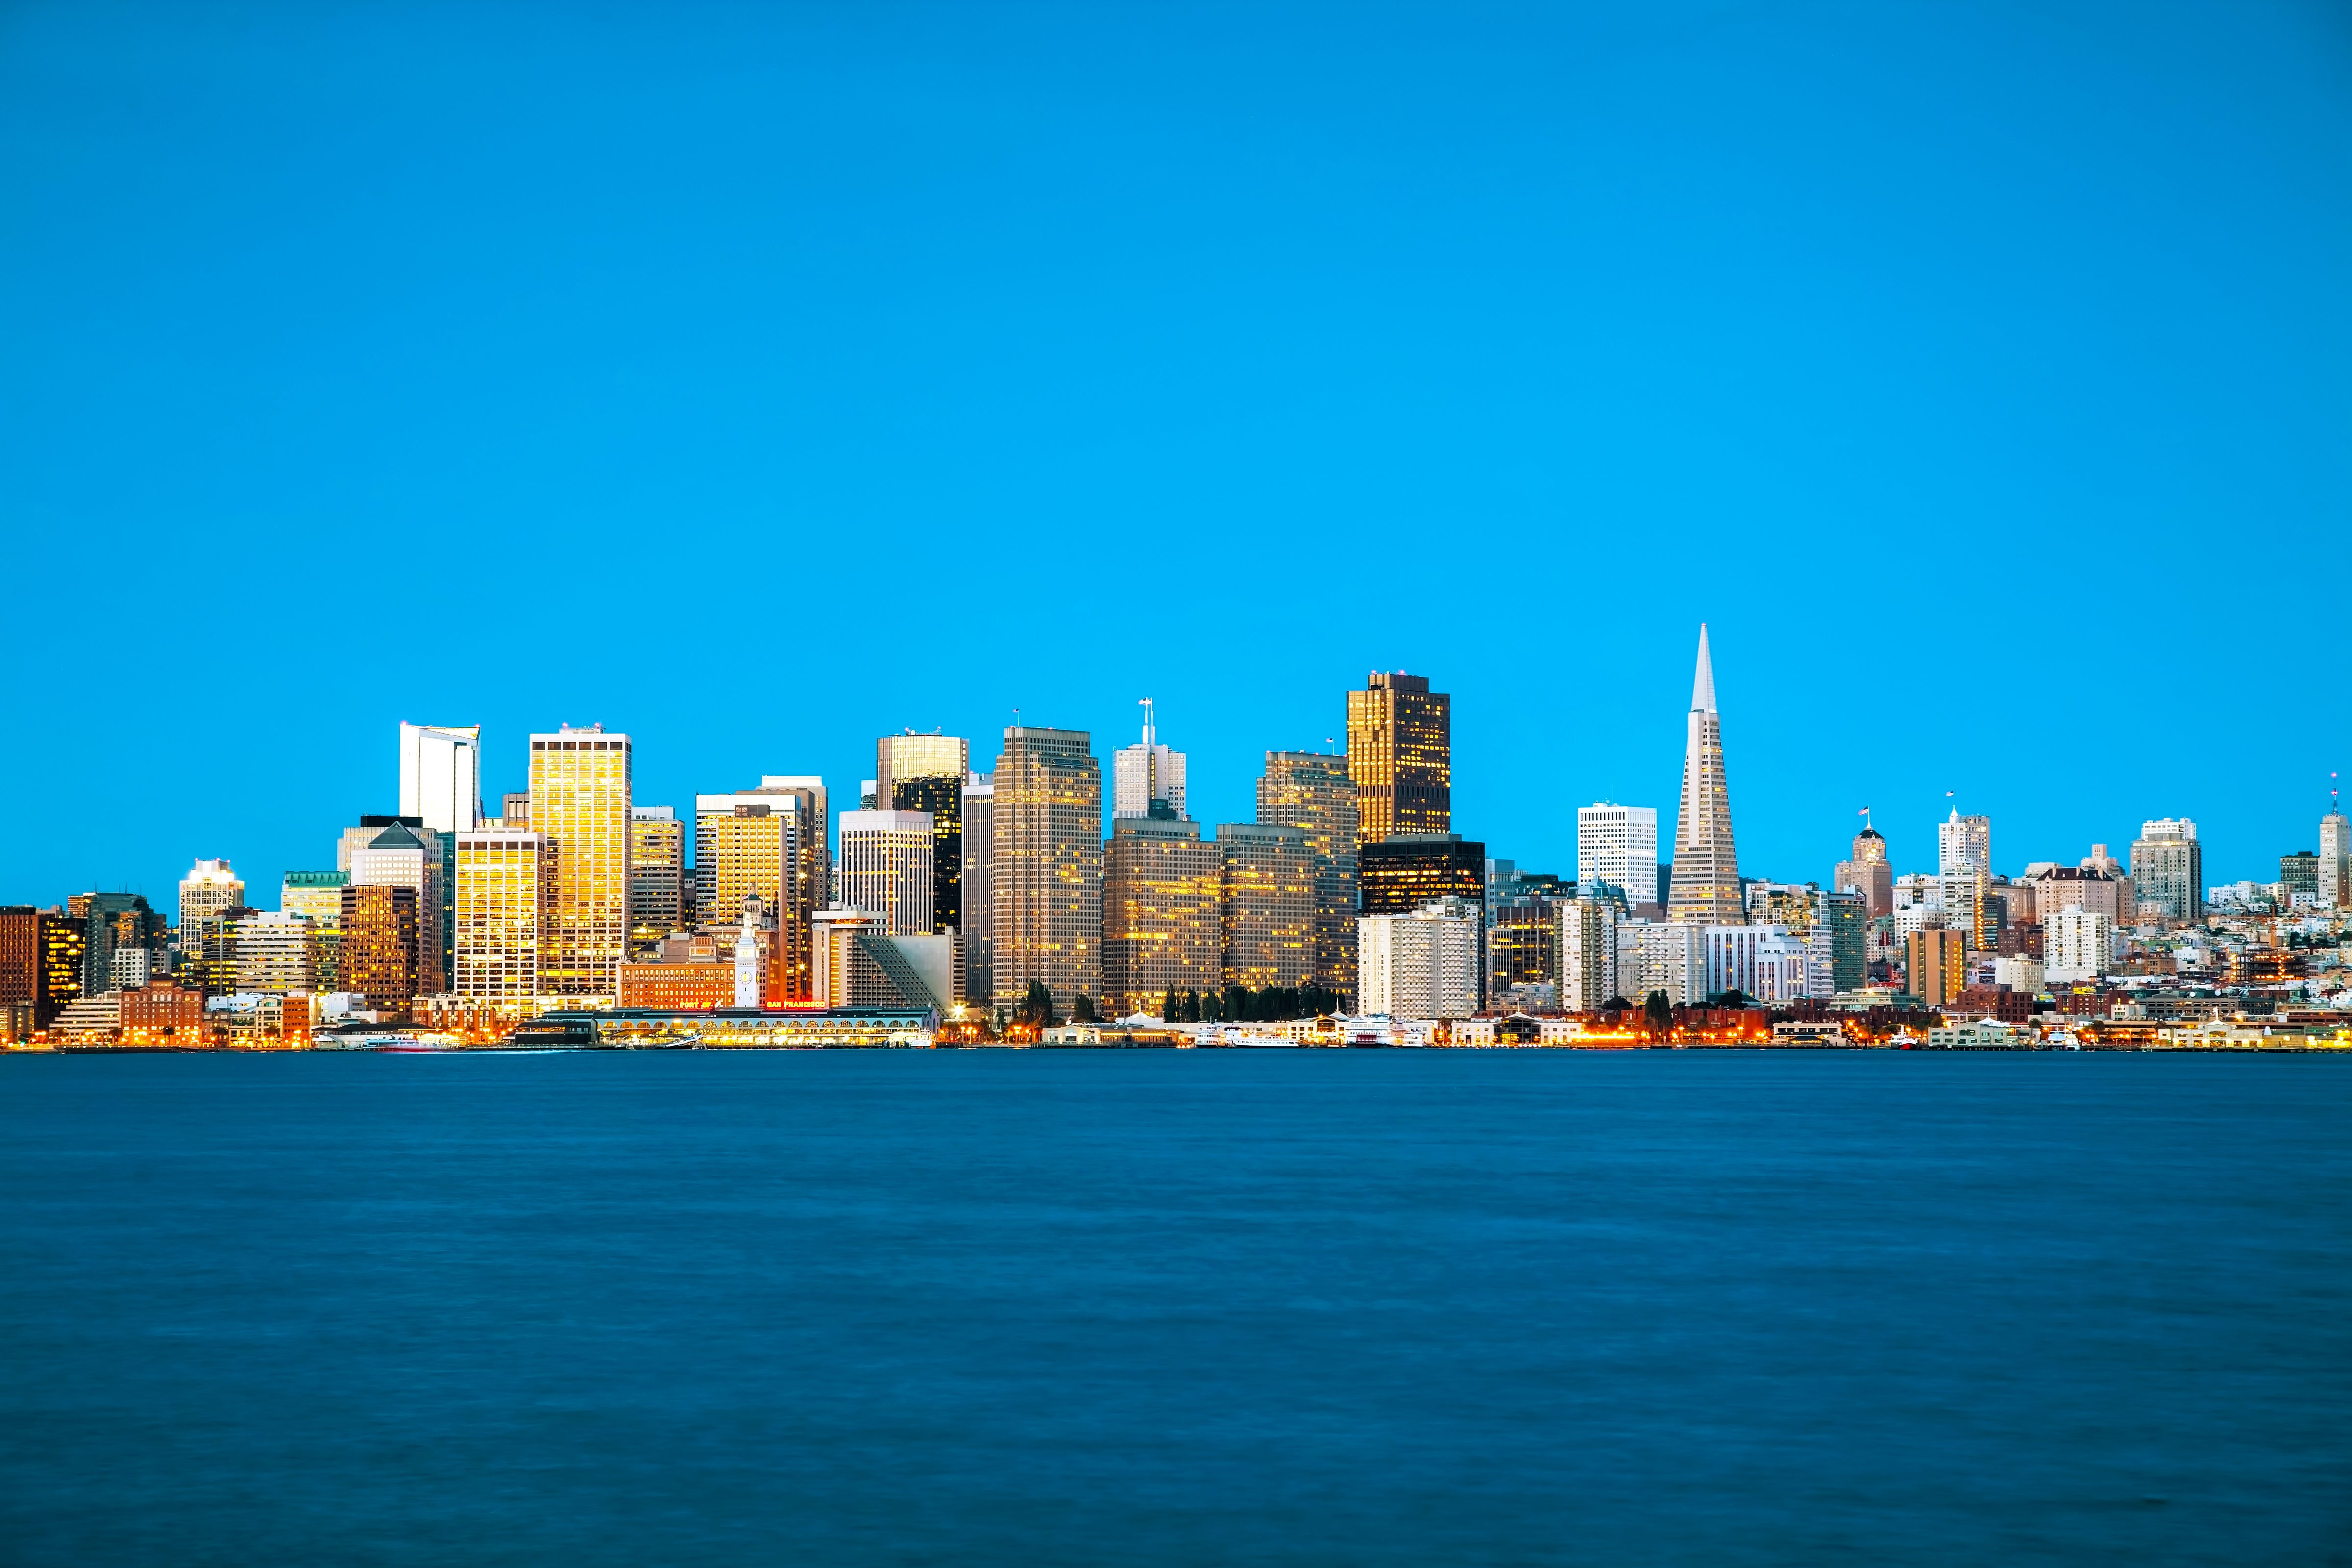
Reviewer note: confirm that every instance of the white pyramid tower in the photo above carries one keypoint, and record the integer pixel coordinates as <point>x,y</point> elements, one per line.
<point>1706,889</point>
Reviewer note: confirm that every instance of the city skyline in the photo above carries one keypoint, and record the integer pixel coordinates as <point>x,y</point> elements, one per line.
<point>2032,356</point>
<point>1914,842</point>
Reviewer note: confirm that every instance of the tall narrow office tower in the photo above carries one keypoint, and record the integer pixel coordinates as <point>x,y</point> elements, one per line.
<point>657,874</point>
<point>1618,844</point>
<point>1048,866</point>
<point>926,774</point>
<point>1706,865</point>
<point>2334,881</point>
<point>1869,873</point>
<point>976,893</point>
<point>885,868</point>
<point>1400,756</point>
<point>1964,841</point>
<point>441,785</point>
<point>207,893</point>
<point>579,782</point>
<point>441,775</point>
<point>1311,791</point>
<point>1147,779</point>
<point>2168,869</point>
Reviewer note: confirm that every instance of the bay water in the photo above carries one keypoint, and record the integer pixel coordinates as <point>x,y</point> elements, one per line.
<point>1175,1308</point>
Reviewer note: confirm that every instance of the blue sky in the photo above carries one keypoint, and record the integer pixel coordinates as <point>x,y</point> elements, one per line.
<point>759,379</point>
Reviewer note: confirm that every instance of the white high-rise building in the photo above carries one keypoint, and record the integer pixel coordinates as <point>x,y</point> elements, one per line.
<point>1146,774</point>
<point>1707,864</point>
<point>885,868</point>
<point>1619,845</point>
<point>2335,861</point>
<point>274,954</point>
<point>2167,870</point>
<point>1673,959</point>
<point>1763,961</point>
<point>1419,966</point>
<point>1588,952</point>
<point>441,775</point>
<point>2077,945</point>
<point>207,890</point>
<point>1964,841</point>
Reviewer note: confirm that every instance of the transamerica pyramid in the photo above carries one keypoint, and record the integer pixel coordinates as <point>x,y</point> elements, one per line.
<point>1705,889</point>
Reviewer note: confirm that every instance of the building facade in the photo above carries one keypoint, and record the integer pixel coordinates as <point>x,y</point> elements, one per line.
<point>1148,778</point>
<point>1267,918</point>
<point>41,961</point>
<point>2167,870</point>
<point>275,954</point>
<point>404,857</point>
<point>768,843</point>
<point>1400,757</point>
<point>1705,889</point>
<point>1618,846</point>
<point>886,863</point>
<point>1047,868</point>
<point>1964,841</point>
<point>976,894</point>
<point>1312,791</point>
<point>207,893</point>
<point>379,959</point>
<point>1588,952</point>
<point>1421,964</point>
<point>580,785</point>
<point>1163,892</point>
<point>1672,957</point>
<point>2079,945</point>
<point>657,875</point>
<point>1869,873</point>
<point>2334,873</point>
<point>506,904</point>
<point>1935,964</point>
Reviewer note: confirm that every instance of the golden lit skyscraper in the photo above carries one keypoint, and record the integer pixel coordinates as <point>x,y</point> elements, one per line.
<point>1047,865</point>
<point>505,895</point>
<point>1401,756</point>
<point>1311,791</point>
<point>579,782</point>
<point>378,959</point>
<point>1706,865</point>
<point>768,843</point>
<point>1162,892</point>
<point>907,755</point>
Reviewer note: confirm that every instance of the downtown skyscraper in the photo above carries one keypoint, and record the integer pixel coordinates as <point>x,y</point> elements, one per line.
<point>1401,756</point>
<point>1706,867</point>
<point>580,783</point>
<point>1047,865</point>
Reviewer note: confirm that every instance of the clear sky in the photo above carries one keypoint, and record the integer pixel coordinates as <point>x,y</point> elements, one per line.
<point>758,379</point>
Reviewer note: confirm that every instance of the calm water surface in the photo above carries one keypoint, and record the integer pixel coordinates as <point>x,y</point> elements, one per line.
<point>1116,1308</point>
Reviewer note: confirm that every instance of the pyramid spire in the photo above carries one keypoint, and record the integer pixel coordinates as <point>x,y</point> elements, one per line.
<point>1706,887</point>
